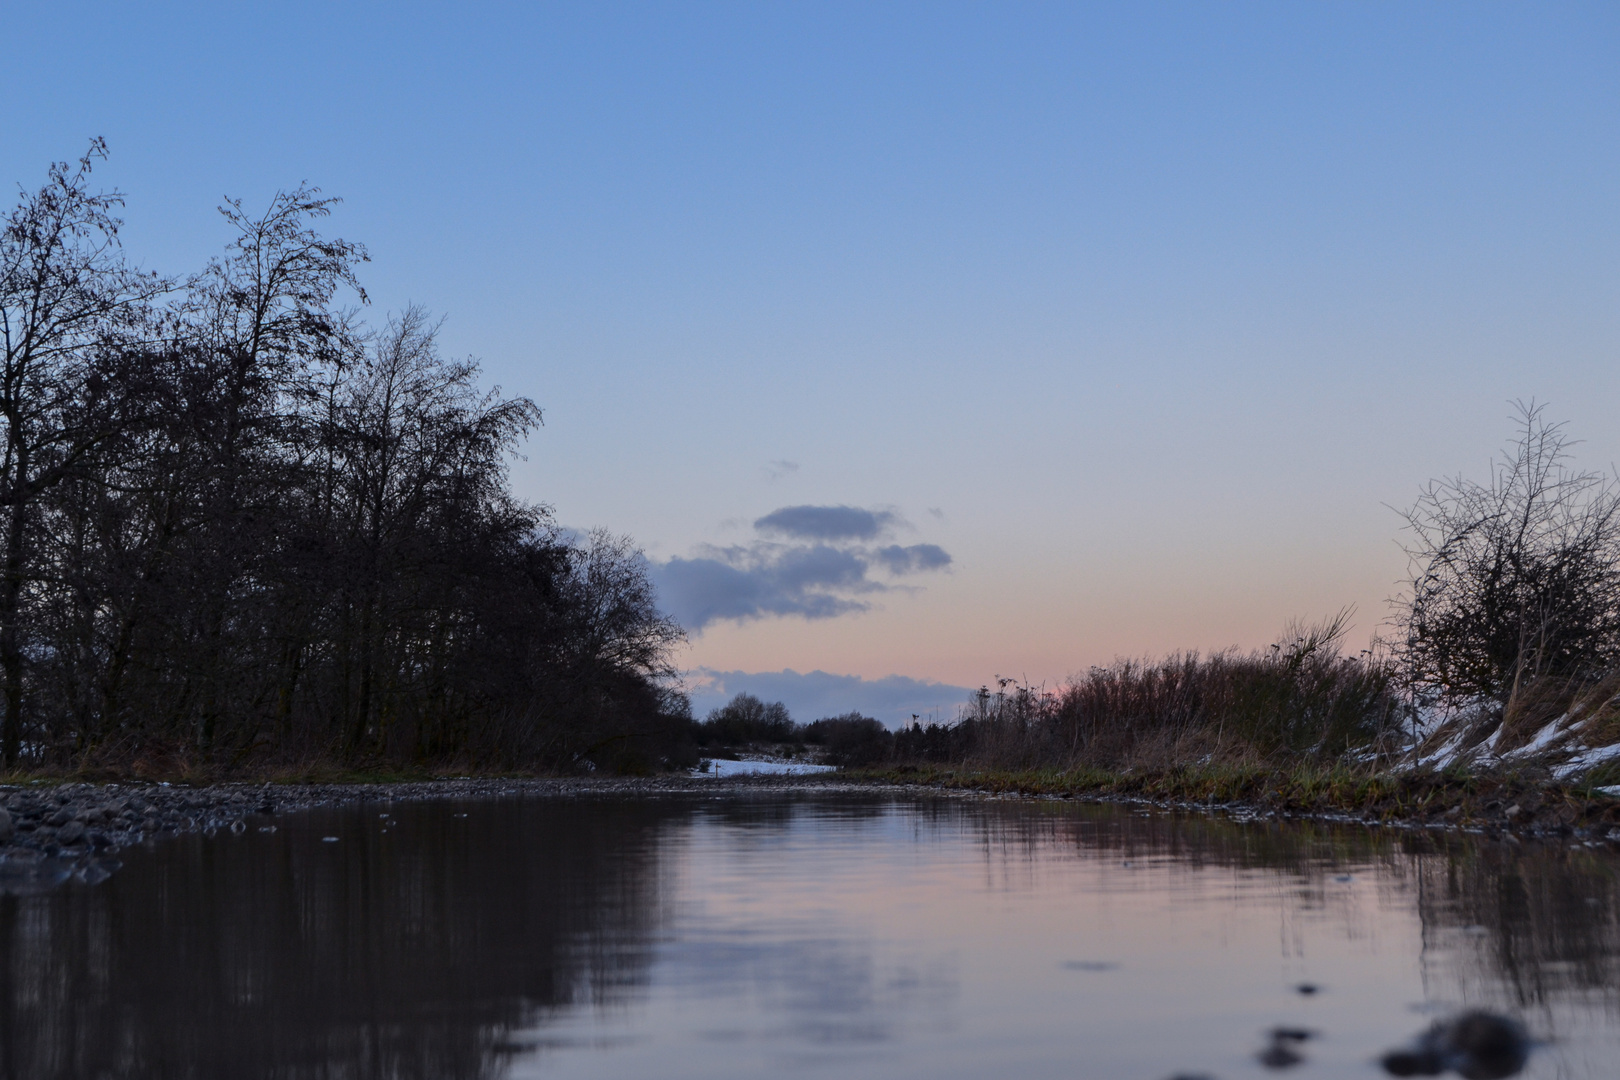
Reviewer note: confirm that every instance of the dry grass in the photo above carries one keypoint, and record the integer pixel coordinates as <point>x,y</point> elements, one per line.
<point>1299,701</point>
<point>1504,801</point>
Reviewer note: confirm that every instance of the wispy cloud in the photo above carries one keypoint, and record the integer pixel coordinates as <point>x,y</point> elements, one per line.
<point>775,470</point>
<point>820,568</point>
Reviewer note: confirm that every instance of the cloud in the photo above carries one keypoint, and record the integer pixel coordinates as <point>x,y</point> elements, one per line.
<point>899,560</point>
<point>825,576</point>
<point>826,522</point>
<point>780,468</point>
<point>749,583</point>
<point>893,699</point>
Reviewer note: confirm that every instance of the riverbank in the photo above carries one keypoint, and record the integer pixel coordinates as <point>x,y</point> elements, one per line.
<point>1516,804</point>
<point>50,830</point>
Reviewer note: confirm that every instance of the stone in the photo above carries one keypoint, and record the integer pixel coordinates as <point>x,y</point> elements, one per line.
<point>70,833</point>
<point>1284,1053</point>
<point>93,874</point>
<point>1477,1045</point>
<point>7,829</point>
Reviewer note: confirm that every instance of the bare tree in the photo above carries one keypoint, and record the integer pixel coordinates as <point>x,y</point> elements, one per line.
<point>66,295</point>
<point>237,522</point>
<point>419,446</point>
<point>1512,579</point>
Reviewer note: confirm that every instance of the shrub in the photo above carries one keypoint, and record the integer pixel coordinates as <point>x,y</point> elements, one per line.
<point>1513,580</point>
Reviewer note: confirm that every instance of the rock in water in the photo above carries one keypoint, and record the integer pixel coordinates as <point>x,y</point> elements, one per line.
<point>93,874</point>
<point>1477,1045</point>
<point>1284,1052</point>
<point>6,827</point>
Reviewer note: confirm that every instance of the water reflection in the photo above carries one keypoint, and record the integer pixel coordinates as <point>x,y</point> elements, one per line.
<point>405,952</point>
<point>721,935</point>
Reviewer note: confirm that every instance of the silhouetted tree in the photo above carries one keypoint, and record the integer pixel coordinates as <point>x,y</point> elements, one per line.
<point>67,298</point>
<point>239,523</point>
<point>1516,578</point>
<point>746,719</point>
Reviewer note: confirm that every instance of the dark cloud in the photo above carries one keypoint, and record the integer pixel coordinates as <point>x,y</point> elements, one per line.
<point>750,583</point>
<point>821,578</point>
<point>893,699</point>
<point>899,560</point>
<point>826,522</point>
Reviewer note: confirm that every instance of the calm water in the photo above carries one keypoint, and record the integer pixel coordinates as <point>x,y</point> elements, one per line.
<point>816,936</point>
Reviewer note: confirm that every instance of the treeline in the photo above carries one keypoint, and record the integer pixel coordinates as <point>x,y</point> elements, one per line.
<point>242,526</point>
<point>747,724</point>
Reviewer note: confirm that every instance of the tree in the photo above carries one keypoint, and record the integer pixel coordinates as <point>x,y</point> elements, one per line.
<point>67,297</point>
<point>1515,579</point>
<point>420,453</point>
<point>746,719</point>
<point>237,522</point>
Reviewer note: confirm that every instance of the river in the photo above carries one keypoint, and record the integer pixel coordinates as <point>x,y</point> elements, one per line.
<point>747,933</point>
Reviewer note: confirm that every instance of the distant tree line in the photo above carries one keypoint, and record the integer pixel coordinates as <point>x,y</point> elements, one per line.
<point>240,524</point>
<point>746,723</point>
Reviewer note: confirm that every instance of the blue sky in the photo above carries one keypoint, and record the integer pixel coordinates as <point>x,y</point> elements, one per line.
<point>1140,315</point>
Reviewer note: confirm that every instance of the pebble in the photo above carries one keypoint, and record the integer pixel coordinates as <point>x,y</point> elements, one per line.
<point>1477,1045</point>
<point>1283,1052</point>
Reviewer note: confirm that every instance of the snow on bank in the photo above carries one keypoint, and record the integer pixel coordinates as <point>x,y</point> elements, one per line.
<point>719,768</point>
<point>1569,745</point>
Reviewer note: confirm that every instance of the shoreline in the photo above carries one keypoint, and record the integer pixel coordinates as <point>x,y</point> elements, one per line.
<point>1497,806</point>
<point>53,831</point>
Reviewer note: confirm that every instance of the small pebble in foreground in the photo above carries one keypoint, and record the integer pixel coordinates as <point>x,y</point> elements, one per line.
<point>1477,1045</point>
<point>1284,1050</point>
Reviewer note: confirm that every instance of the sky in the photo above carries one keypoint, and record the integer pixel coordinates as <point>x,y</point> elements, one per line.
<point>924,344</point>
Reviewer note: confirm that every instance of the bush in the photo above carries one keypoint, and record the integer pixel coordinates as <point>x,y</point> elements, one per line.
<point>1514,580</point>
<point>1299,698</point>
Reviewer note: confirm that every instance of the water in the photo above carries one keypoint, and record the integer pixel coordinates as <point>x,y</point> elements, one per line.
<point>741,936</point>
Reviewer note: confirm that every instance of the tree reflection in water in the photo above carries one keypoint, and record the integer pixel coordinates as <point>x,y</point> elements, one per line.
<point>408,951</point>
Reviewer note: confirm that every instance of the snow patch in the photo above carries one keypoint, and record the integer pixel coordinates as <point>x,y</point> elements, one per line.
<point>718,768</point>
